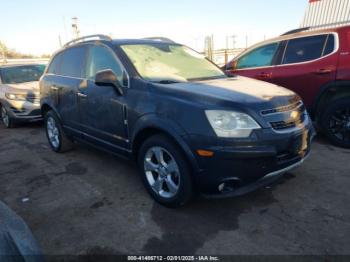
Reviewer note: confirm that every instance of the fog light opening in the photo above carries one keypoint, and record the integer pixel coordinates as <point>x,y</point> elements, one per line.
<point>221,187</point>
<point>229,185</point>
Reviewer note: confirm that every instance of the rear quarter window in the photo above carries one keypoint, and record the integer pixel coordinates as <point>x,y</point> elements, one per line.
<point>330,45</point>
<point>55,65</point>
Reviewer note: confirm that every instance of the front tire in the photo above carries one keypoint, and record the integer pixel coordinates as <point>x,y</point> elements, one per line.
<point>165,171</point>
<point>58,140</point>
<point>335,122</point>
<point>6,119</point>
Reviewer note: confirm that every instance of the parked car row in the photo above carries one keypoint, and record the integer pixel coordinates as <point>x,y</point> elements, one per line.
<point>189,126</point>
<point>315,65</point>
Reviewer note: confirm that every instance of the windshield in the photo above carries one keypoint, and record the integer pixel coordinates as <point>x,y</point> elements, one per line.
<point>21,74</point>
<point>161,62</point>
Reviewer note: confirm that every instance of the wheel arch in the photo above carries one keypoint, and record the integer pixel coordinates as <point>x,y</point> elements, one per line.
<point>46,107</point>
<point>329,92</point>
<point>153,125</point>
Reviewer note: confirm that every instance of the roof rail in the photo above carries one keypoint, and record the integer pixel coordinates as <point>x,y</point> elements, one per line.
<point>161,39</point>
<point>89,37</point>
<point>296,31</point>
<point>316,27</point>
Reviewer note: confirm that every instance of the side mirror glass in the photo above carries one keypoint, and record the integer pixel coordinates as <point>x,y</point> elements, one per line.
<point>108,78</point>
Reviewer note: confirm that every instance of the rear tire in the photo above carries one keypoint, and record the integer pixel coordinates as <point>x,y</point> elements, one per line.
<point>6,119</point>
<point>335,122</point>
<point>58,140</point>
<point>165,171</point>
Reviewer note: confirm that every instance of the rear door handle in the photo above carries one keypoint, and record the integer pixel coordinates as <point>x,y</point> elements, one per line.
<point>54,88</point>
<point>81,95</point>
<point>323,71</point>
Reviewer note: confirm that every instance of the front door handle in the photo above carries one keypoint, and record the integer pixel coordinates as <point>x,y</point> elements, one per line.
<point>54,88</point>
<point>264,75</point>
<point>81,95</point>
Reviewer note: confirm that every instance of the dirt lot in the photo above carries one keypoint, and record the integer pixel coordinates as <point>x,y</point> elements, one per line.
<point>86,201</point>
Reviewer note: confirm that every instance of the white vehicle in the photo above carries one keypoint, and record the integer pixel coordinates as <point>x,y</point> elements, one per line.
<point>19,93</point>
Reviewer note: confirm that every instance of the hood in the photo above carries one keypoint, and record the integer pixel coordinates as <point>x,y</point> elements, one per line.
<point>29,87</point>
<point>241,91</point>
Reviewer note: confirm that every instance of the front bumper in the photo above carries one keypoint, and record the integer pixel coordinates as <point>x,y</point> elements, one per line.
<point>264,181</point>
<point>23,111</point>
<point>239,167</point>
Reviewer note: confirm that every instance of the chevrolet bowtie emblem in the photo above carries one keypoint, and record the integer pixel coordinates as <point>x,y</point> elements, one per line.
<point>294,115</point>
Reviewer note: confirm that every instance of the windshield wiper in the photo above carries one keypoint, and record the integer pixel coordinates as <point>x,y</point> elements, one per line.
<point>167,82</point>
<point>207,78</point>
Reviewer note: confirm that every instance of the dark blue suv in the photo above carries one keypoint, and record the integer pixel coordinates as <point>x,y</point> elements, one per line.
<point>188,126</point>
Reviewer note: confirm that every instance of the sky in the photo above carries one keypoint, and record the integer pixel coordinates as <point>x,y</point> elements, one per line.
<point>35,26</point>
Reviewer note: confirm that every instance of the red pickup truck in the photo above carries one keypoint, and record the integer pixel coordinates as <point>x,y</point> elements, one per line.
<point>314,64</point>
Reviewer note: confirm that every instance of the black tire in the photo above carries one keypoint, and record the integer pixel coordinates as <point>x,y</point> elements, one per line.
<point>10,122</point>
<point>64,143</point>
<point>185,191</point>
<point>336,115</point>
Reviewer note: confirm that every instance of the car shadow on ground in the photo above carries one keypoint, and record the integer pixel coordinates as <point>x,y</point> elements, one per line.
<point>203,218</point>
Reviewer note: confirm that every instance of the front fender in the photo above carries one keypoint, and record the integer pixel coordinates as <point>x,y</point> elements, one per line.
<point>47,102</point>
<point>172,129</point>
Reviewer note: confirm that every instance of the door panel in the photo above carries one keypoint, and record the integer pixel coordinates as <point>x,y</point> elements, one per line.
<point>257,63</point>
<point>64,78</point>
<point>64,90</point>
<point>102,113</point>
<point>303,76</point>
<point>102,109</point>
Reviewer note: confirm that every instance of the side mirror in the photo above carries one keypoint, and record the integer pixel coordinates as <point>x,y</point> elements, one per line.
<point>108,78</point>
<point>231,65</point>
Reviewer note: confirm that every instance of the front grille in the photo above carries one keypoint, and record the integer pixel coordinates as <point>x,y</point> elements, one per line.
<point>281,109</point>
<point>282,125</point>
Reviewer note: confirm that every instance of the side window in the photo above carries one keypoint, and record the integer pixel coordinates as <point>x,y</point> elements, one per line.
<point>304,49</point>
<point>55,66</point>
<point>101,58</point>
<point>73,62</point>
<point>262,56</point>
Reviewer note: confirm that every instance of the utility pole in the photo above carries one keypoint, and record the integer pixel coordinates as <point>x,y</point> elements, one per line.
<point>233,41</point>
<point>65,29</point>
<point>60,40</point>
<point>75,28</point>
<point>209,47</point>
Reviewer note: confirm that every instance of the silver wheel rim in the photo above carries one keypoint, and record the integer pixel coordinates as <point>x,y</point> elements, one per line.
<point>52,132</point>
<point>162,172</point>
<point>5,117</point>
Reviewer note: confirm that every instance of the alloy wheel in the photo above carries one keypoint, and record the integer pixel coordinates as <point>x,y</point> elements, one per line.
<point>53,132</point>
<point>340,124</point>
<point>5,117</point>
<point>162,172</point>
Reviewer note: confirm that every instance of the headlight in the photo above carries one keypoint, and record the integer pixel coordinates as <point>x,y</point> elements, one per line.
<point>231,124</point>
<point>18,97</point>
